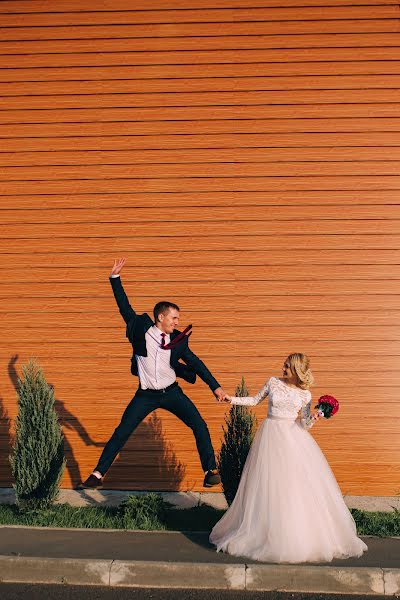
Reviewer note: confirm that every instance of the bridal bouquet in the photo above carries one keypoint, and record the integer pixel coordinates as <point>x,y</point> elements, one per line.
<point>327,406</point>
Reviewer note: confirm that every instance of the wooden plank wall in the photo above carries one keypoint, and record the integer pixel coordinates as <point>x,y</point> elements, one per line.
<point>244,156</point>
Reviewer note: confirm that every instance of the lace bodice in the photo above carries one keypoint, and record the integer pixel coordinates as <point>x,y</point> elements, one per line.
<point>283,401</point>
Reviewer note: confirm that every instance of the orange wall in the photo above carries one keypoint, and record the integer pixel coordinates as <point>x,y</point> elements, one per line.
<point>253,153</point>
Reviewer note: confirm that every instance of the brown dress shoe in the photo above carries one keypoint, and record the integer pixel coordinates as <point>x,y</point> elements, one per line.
<point>92,483</point>
<point>211,478</point>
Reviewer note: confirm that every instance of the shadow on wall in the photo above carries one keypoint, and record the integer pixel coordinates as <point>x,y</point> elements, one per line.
<point>6,436</point>
<point>147,461</point>
<point>5,446</point>
<point>68,422</point>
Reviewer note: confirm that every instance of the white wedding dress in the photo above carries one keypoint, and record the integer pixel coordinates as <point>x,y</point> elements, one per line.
<point>288,507</point>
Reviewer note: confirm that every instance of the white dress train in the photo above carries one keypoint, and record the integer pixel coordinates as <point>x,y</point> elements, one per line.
<point>288,507</point>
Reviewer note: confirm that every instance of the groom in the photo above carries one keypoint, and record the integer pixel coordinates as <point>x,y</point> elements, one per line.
<point>158,349</point>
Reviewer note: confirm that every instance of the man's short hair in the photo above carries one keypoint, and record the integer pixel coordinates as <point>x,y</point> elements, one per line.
<point>162,308</point>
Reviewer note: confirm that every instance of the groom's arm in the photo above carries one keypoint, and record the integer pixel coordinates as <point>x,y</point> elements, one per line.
<point>126,310</point>
<point>200,368</point>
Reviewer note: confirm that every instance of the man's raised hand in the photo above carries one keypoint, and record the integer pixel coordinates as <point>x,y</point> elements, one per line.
<point>118,264</point>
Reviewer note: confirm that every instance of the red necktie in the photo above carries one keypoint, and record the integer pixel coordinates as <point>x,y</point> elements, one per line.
<point>162,340</point>
<point>178,339</point>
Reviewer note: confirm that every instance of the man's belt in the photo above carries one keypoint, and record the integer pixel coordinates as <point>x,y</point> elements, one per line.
<point>163,390</point>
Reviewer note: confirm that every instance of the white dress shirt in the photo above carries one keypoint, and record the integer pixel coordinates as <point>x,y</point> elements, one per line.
<point>154,370</point>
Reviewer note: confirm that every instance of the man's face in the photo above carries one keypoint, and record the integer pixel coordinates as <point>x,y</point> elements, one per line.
<point>169,321</point>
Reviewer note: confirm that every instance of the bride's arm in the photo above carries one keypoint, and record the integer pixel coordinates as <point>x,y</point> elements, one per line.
<point>250,400</point>
<point>307,420</point>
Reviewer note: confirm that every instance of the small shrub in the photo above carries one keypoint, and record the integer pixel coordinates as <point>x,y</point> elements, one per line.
<point>238,436</point>
<point>37,460</point>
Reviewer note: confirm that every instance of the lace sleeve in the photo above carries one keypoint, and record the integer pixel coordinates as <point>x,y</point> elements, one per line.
<point>252,400</point>
<point>306,419</point>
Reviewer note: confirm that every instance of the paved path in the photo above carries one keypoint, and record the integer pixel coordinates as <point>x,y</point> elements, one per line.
<point>181,560</point>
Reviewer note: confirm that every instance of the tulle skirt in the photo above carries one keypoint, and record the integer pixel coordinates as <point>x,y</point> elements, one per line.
<point>288,507</point>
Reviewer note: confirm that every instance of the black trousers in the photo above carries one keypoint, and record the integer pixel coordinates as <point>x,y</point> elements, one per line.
<point>143,403</point>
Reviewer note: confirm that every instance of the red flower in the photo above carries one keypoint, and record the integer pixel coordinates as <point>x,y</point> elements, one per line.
<point>328,405</point>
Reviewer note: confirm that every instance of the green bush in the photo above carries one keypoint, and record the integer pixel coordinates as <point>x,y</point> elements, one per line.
<point>37,460</point>
<point>147,511</point>
<point>239,430</point>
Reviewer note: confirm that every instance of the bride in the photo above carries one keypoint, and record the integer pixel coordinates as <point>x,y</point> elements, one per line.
<point>288,507</point>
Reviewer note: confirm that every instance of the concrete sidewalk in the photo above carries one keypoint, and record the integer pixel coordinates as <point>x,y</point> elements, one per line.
<point>189,499</point>
<point>181,560</point>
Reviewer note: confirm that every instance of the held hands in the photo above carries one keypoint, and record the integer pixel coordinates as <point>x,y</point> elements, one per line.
<point>220,394</point>
<point>118,264</point>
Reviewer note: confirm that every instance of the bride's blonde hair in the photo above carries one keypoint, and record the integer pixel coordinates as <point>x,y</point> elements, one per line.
<point>300,366</point>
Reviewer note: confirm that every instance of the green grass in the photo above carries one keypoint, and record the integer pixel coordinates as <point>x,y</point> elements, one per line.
<point>382,524</point>
<point>147,512</point>
<point>61,515</point>
<point>150,512</point>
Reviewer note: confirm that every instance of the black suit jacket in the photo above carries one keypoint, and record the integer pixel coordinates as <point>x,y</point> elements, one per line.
<point>184,362</point>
